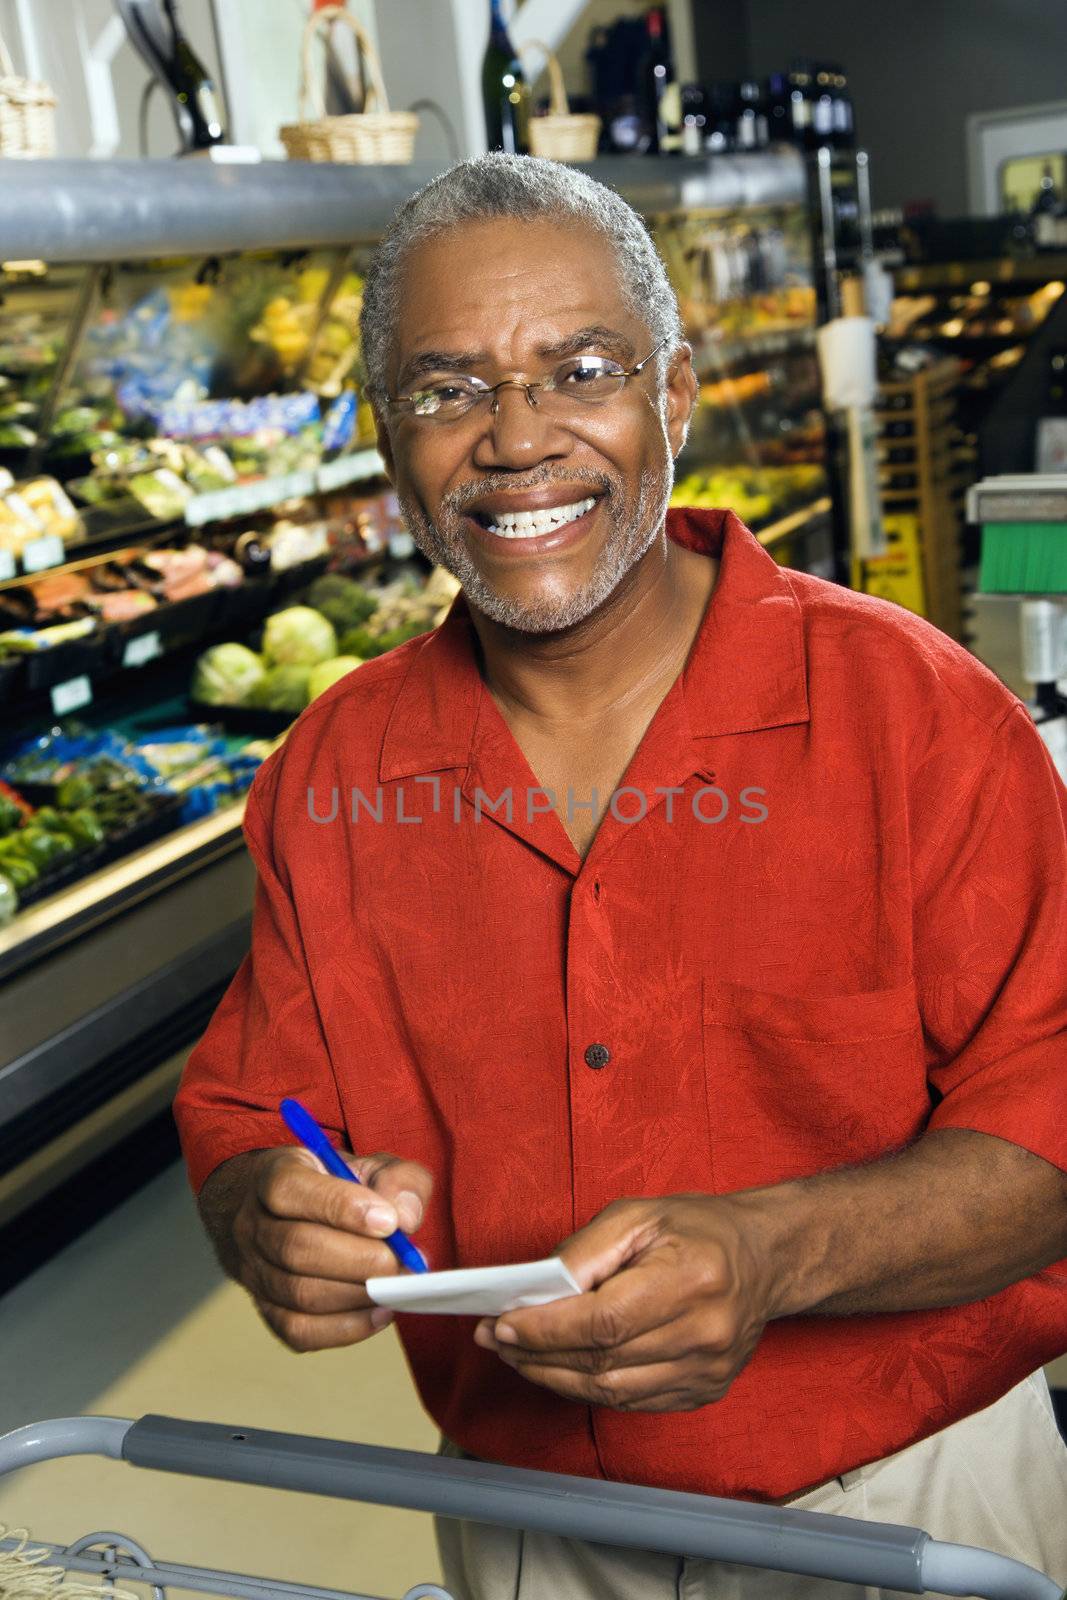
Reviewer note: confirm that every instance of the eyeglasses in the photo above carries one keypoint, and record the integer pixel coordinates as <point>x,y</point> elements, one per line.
<point>577,382</point>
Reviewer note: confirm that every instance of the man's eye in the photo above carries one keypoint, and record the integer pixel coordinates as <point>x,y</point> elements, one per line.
<point>586,372</point>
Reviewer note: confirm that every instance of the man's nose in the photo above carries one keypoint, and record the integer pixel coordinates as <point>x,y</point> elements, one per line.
<point>515,432</point>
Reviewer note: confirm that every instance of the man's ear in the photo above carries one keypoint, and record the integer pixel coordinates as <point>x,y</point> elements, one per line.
<point>682,391</point>
<point>384,443</point>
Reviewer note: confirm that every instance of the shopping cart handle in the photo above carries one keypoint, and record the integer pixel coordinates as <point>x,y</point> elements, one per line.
<point>814,1544</point>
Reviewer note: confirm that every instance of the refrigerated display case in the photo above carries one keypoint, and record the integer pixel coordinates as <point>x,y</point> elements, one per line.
<point>179,356</point>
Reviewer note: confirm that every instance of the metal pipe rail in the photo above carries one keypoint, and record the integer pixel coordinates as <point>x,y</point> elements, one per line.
<point>878,1555</point>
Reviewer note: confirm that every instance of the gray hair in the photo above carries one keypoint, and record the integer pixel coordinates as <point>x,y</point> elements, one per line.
<point>529,187</point>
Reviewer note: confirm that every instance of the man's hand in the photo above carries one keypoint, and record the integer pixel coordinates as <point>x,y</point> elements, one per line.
<point>678,1294</point>
<point>304,1243</point>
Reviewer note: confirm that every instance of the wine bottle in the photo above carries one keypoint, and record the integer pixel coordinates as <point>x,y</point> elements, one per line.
<point>657,74</point>
<point>505,92</point>
<point>156,35</point>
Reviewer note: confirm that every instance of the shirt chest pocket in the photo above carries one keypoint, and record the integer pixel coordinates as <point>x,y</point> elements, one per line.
<point>798,1085</point>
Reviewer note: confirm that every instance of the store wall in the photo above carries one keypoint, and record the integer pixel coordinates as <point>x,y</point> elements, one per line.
<point>917,71</point>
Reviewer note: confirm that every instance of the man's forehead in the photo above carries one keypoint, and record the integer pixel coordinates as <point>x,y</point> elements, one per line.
<point>467,295</point>
<point>541,261</point>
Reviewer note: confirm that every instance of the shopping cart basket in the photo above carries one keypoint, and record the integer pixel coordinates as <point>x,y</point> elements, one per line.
<point>815,1544</point>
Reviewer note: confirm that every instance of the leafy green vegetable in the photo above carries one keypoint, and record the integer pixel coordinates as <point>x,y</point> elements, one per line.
<point>327,673</point>
<point>298,637</point>
<point>343,601</point>
<point>284,688</point>
<point>226,675</point>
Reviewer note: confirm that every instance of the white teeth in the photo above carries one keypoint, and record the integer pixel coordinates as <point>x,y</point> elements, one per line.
<point>529,524</point>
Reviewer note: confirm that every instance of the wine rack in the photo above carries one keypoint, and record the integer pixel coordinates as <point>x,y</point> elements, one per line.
<point>917,475</point>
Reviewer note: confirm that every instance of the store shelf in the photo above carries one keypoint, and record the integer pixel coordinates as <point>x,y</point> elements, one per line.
<point>794,521</point>
<point>85,905</point>
<point>1042,268</point>
<point>712,357</point>
<point>245,499</point>
<point>82,211</point>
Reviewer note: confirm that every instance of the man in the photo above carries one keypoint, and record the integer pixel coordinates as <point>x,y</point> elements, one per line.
<point>698,918</point>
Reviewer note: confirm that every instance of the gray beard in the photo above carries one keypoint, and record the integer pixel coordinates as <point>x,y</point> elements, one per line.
<point>634,531</point>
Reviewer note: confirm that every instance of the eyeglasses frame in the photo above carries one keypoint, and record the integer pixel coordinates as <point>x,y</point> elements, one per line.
<point>399,402</point>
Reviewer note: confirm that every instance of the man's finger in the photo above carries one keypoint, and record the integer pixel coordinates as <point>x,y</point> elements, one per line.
<point>406,1185</point>
<point>303,1332</point>
<point>295,1188</point>
<point>687,1335</point>
<point>314,1251</point>
<point>316,1296</point>
<point>632,1303</point>
<point>656,1388</point>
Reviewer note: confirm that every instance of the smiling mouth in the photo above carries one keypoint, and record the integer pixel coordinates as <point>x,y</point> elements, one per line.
<point>534,524</point>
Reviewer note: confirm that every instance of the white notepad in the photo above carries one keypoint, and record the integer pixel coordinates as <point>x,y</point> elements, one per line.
<point>476,1291</point>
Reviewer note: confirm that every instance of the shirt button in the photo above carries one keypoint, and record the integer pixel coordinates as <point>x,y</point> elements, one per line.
<point>597,1055</point>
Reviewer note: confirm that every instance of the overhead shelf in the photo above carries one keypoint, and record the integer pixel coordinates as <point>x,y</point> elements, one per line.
<point>89,211</point>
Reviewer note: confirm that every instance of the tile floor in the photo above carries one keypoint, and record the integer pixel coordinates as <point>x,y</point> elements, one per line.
<point>136,1317</point>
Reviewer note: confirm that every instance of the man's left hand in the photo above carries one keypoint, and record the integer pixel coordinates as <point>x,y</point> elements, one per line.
<point>678,1292</point>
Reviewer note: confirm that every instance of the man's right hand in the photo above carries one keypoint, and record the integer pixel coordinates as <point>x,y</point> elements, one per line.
<point>304,1243</point>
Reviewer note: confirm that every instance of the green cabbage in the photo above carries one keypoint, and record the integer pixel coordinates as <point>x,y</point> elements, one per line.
<point>226,675</point>
<point>283,689</point>
<point>327,673</point>
<point>298,637</point>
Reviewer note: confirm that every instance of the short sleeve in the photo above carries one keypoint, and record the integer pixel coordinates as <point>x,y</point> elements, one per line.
<point>265,1040</point>
<point>990,931</point>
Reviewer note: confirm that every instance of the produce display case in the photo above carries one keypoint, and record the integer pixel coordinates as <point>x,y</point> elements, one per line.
<point>740,241</point>
<point>179,390</point>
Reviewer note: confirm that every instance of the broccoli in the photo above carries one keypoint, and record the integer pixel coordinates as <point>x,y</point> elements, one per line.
<point>344,602</point>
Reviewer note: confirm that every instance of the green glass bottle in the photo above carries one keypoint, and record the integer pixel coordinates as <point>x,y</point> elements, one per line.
<point>505,92</point>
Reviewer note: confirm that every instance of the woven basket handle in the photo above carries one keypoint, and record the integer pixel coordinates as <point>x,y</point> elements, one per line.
<point>559,105</point>
<point>7,66</point>
<point>367,54</point>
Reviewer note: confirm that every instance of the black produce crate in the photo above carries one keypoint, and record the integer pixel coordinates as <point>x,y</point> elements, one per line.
<point>165,816</point>
<point>11,678</point>
<point>88,657</point>
<point>254,720</point>
<point>178,623</point>
<point>241,608</point>
<point>291,579</point>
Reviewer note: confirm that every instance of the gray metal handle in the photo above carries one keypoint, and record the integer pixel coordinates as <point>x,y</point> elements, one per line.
<point>815,1544</point>
<point>879,1555</point>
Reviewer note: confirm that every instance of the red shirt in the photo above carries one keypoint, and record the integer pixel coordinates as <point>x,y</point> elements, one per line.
<point>871,942</point>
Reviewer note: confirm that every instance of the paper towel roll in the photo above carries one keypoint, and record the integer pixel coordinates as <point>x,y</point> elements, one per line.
<point>847,358</point>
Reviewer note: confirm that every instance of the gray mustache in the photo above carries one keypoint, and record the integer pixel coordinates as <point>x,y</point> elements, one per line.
<point>502,484</point>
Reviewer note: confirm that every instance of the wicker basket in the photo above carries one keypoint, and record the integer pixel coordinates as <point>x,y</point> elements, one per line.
<point>371,138</point>
<point>27,113</point>
<point>561,135</point>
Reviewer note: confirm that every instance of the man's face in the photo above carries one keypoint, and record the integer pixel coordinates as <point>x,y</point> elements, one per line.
<point>498,296</point>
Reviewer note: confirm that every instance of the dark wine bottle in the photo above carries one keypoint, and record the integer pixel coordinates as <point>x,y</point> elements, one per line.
<point>505,92</point>
<point>157,36</point>
<point>657,74</point>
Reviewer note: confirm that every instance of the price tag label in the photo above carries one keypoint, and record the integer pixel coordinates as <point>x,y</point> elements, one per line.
<point>350,469</point>
<point>245,498</point>
<point>7,564</point>
<point>145,647</point>
<point>42,553</point>
<point>71,696</point>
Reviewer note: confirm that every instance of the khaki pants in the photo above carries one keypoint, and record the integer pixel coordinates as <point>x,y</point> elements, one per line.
<point>997,1480</point>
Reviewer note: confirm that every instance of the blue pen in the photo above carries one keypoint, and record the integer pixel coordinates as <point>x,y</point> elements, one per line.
<point>303,1125</point>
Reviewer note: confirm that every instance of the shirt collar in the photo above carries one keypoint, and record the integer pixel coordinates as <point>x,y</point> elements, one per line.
<point>747,669</point>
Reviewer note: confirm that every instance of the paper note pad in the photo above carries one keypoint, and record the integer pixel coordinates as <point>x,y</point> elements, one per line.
<point>476,1291</point>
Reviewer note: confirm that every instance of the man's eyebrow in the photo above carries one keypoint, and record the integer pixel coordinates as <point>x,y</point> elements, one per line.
<point>594,337</point>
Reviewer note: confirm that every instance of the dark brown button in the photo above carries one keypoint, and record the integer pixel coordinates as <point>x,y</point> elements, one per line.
<point>597,1056</point>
